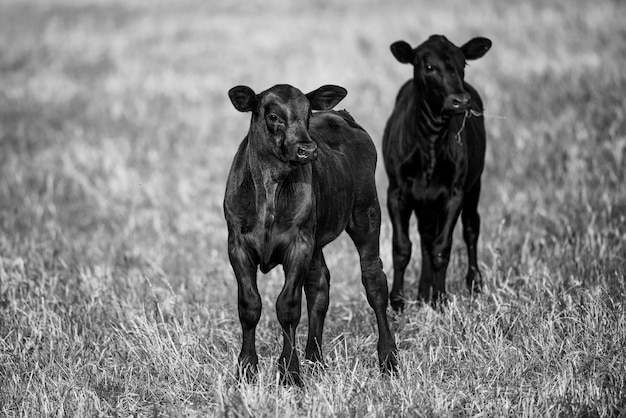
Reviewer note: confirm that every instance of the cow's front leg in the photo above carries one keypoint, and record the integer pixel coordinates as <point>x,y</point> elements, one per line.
<point>442,247</point>
<point>249,304</point>
<point>427,273</point>
<point>400,214</point>
<point>316,288</point>
<point>288,306</point>
<point>471,231</point>
<point>427,228</point>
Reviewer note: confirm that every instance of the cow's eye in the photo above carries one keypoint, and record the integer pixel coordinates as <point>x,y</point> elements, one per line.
<point>429,68</point>
<point>272,117</point>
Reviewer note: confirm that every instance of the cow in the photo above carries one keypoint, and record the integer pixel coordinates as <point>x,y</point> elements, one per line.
<point>297,181</point>
<point>434,152</point>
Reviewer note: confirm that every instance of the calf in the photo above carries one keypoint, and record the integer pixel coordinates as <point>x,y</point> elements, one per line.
<point>297,181</point>
<point>434,152</point>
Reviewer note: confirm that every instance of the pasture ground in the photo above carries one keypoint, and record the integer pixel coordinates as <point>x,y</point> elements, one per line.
<point>116,136</point>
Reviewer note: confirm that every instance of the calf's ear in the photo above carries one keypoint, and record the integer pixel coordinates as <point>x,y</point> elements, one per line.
<point>476,48</point>
<point>243,98</point>
<point>326,97</point>
<point>403,52</point>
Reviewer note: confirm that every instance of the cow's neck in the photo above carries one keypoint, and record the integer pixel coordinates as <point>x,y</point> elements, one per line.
<point>431,127</point>
<point>268,174</point>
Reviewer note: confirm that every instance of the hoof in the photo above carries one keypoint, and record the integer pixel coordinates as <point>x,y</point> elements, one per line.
<point>291,379</point>
<point>289,373</point>
<point>440,301</point>
<point>314,355</point>
<point>474,282</point>
<point>247,372</point>
<point>397,303</point>
<point>389,365</point>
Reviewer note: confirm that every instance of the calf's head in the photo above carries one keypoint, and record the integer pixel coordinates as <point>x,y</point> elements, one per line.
<point>439,69</point>
<point>280,118</point>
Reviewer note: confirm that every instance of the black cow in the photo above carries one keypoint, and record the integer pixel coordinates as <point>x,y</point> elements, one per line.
<point>297,181</point>
<point>434,152</point>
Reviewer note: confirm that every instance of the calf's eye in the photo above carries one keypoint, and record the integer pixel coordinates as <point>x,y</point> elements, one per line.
<point>429,68</point>
<point>273,118</point>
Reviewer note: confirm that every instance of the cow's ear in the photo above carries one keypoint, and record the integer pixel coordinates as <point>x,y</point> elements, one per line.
<point>403,52</point>
<point>243,98</point>
<point>326,97</point>
<point>476,48</point>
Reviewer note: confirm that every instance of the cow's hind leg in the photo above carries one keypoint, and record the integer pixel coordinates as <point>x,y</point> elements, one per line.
<point>400,214</point>
<point>471,231</point>
<point>364,229</point>
<point>316,288</point>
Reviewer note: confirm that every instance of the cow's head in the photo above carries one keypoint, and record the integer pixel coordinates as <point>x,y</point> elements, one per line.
<point>439,69</point>
<point>280,118</point>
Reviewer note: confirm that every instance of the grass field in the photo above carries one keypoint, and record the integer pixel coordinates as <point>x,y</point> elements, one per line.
<point>116,136</point>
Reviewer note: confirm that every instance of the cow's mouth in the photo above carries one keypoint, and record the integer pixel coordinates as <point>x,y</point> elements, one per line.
<point>452,112</point>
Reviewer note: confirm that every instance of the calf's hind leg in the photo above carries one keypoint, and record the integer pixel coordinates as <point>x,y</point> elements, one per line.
<point>364,229</point>
<point>316,288</point>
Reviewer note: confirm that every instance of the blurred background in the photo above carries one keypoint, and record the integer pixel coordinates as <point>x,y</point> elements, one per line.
<point>116,134</point>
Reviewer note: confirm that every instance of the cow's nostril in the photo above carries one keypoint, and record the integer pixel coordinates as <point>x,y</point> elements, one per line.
<point>459,101</point>
<point>305,151</point>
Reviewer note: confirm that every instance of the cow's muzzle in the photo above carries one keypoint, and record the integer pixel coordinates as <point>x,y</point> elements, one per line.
<point>305,152</point>
<point>456,103</point>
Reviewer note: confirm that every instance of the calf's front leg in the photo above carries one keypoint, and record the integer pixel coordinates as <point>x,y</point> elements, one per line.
<point>249,305</point>
<point>288,307</point>
<point>442,247</point>
<point>316,288</point>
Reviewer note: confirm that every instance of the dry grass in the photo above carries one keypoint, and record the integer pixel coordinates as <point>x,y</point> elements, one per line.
<point>116,135</point>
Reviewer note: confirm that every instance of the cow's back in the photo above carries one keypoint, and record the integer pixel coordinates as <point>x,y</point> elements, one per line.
<point>344,171</point>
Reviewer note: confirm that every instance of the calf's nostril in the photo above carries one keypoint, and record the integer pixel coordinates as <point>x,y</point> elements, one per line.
<point>304,152</point>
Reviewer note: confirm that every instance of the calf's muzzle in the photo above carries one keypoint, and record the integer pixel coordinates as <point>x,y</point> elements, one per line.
<point>305,152</point>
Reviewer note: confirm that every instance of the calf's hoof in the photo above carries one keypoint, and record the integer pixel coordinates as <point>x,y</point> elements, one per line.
<point>397,303</point>
<point>389,364</point>
<point>314,355</point>
<point>439,301</point>
<point>289,373</point>
<point>474,283</point>
<point>247,371</point>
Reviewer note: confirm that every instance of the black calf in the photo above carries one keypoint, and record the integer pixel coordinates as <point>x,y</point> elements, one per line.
<point>297,181</point>
<point>434,152</point>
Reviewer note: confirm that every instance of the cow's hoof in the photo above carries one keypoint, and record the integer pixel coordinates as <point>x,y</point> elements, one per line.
<point>474,283</point>
<point>289,373</point>
<point>397,304</point>
<point>247,372</point>
<point>439,301</point>
<point>389,365</point>
<point>291,379</point>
